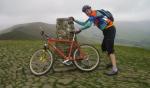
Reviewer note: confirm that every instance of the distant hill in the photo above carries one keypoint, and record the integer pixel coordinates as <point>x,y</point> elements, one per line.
<point>28,31</point>
<point>31,31</point>
<point>128,33</point>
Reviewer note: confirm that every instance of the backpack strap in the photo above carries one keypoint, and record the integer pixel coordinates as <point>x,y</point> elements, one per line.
<point>110,23</point>
<point>107,14</point>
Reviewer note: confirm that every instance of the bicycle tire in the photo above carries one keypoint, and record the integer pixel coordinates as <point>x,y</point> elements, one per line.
<point>50,58</point>
<point>93,50</point>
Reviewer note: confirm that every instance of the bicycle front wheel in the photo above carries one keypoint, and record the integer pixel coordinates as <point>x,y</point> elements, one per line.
<point>90,59</point>
<point>41,62</point>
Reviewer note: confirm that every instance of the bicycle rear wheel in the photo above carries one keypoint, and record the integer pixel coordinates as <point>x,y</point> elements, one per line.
<point>41,62</point>
<point>90,60</point>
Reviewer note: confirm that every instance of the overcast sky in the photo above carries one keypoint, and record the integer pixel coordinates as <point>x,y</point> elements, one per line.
<point>23,11</point>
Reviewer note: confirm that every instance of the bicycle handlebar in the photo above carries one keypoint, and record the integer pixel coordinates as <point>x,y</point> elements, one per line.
<point>75,32</point>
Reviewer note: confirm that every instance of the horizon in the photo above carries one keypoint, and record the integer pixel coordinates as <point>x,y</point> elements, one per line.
<point>9,26</point>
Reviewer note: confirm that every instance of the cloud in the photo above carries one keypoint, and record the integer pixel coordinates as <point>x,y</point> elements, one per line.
<point>22,11</point>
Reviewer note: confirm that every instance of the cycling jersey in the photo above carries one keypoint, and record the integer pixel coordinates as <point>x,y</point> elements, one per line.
<point>102,22</point>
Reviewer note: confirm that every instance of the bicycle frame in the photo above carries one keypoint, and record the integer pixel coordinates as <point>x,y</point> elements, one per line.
<point>72,43</point>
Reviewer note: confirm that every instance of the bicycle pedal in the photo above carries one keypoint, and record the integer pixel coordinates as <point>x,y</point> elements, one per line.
<point>67,62</point>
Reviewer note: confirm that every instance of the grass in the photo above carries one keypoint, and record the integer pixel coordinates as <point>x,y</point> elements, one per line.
<point>133,65</point>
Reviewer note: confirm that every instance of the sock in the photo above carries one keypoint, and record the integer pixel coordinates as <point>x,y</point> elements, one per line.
<point>115,69</point>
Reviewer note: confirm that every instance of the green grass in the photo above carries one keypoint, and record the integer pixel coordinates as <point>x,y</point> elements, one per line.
<point>133,65</point>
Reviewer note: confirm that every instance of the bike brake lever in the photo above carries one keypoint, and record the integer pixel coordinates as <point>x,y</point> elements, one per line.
<point>72,32</point>
<point>46,35</point>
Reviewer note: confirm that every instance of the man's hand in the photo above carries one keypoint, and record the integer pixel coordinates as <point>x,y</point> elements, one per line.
<point>71,18</point>
<point>78,31</point>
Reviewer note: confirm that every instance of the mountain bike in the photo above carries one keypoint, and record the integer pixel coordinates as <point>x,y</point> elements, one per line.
<point>85,57</point>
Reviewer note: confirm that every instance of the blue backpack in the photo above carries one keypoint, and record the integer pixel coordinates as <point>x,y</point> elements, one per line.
<point>107,14</point>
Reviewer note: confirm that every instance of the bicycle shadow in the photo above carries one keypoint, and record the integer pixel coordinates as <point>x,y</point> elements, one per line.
<point>60,67</point>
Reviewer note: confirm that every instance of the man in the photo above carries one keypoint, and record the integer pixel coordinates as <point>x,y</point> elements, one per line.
<point>109,32</point>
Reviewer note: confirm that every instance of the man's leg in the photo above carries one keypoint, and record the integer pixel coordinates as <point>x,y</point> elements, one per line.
<point>114,70</point>
<point>113,60</point>
<point>112,57</point>
<point>105,55</point>
<point>107,60</point>
<point>109,43</point>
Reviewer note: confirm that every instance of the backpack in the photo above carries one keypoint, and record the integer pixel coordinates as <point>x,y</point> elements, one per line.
<point>107,14</point>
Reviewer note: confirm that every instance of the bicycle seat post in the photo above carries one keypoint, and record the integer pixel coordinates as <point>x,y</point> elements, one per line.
<point>74,36</point>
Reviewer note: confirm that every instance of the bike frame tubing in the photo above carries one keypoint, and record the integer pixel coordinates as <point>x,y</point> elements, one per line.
<point>72,44</point>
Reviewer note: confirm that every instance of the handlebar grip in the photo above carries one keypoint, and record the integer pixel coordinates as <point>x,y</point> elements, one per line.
<point>72,32</point>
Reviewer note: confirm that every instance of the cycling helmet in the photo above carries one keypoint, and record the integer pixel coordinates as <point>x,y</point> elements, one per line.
<point>85,7</point>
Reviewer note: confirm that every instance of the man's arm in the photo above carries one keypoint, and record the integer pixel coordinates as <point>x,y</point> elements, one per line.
<point>85,24</point>
<point>80,23</point>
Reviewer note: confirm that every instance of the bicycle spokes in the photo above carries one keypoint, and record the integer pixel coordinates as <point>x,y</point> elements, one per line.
<point>89,58</point>
<point>41,62</point>
<point>43,56</point>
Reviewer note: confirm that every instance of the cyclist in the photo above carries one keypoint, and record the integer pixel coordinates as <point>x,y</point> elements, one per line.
<point>109,32</point>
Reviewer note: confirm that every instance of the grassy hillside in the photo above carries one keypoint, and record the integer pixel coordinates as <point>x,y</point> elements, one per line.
<point>16,35</point>
<point>31,31</point>
<point>28,31</point>
<point>14,69</point>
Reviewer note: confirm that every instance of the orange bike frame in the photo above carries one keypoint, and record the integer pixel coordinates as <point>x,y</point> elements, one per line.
<point>72,43</point>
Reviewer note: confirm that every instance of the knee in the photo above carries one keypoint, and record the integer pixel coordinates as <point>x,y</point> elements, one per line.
<point>110,51</point>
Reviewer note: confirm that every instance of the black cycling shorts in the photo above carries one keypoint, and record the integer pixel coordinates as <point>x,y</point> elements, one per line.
<point>108,41</point>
